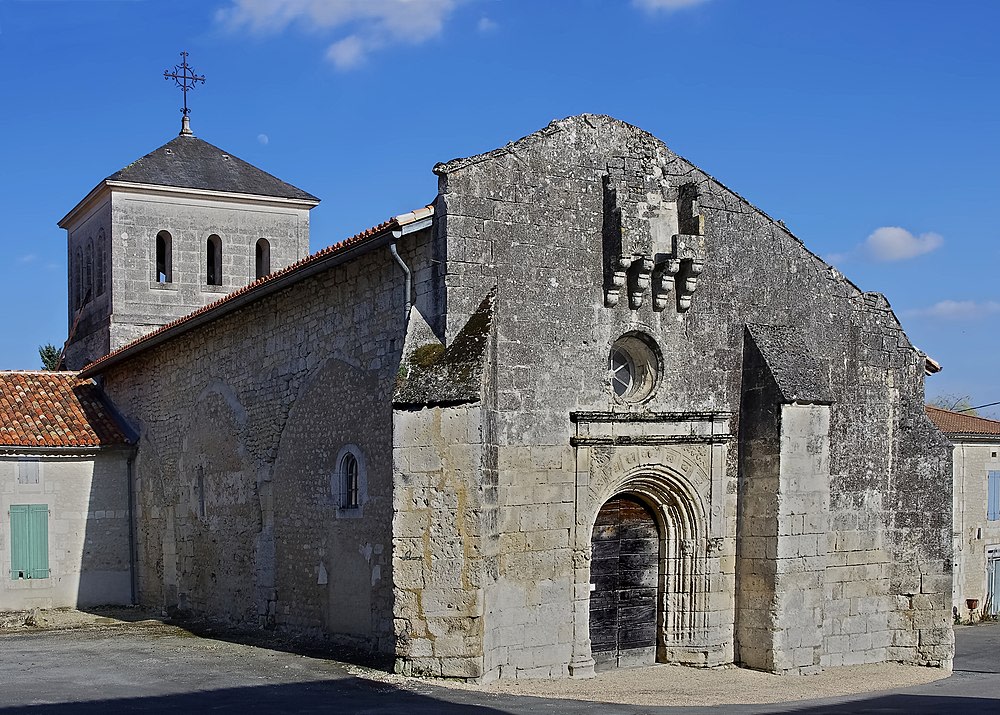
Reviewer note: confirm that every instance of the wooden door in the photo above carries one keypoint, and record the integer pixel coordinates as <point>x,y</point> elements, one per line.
<point>624,573</point>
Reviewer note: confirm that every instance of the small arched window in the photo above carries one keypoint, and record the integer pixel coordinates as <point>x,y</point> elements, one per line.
<point>262,258</point>
<point>99,268</point>
<point>213,261</point>
<point>78,276</point>
<point>88,286</point>
<point>164,256</point>
<point>350,490</point>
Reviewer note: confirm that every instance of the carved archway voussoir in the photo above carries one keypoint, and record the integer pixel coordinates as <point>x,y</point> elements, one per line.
<point>673,496</point>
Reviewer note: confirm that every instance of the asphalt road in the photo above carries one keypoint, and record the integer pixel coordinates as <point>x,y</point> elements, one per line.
<point>151,672</point>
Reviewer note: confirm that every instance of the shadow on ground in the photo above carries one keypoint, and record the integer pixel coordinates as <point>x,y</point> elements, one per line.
<point>341,696</point>
<point>357,698</point>
<point>343,650</point>
<point>902,705</point>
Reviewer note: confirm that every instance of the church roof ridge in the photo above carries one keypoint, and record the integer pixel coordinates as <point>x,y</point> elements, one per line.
<point>553,127</point>
<point>191,163</point>
<point>299,270</point>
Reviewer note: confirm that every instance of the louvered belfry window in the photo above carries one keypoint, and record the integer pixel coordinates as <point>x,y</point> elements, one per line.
<point>29,541</point>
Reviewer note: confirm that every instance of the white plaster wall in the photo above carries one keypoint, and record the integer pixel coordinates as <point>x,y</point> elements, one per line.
<point>973,532</point>
<point>87,498</point>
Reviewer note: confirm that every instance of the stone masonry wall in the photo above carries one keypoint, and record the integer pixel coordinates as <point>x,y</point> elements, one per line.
<point>134,303</point>
<point>531,221</point>
<point>91,338</point>
<point>242,423</point>
<point>439,529</point>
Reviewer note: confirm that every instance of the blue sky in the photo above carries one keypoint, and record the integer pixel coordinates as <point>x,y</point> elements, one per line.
<point>869,127</point>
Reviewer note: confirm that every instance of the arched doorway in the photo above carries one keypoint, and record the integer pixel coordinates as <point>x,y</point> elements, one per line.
<point>624,575</point>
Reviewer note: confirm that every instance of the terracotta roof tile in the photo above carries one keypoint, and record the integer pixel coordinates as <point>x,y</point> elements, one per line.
<point>960,423</point>
<point>55,409</point>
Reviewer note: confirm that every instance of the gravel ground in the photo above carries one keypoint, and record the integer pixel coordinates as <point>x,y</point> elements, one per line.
<point>656,685</point>
<point>677,685</point>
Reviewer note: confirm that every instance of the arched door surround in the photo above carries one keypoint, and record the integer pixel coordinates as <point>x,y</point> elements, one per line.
<point>651,505</point>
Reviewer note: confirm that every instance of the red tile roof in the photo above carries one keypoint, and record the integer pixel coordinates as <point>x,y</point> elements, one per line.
<point>55,409</point>
<point>260,287</point>
<point>961,423</point>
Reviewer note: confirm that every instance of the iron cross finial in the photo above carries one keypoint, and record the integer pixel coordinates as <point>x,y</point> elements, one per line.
<point>185,78</point>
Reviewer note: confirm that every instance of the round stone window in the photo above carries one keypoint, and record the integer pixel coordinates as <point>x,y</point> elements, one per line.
<point>634,367</point>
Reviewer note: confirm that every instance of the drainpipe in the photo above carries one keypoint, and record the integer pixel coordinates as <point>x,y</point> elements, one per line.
<point>409,223</point>
<point>131,531</point>
<point>406,272</point>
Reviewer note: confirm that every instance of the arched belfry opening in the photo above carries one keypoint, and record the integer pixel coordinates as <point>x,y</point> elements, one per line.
<point>648,573</point>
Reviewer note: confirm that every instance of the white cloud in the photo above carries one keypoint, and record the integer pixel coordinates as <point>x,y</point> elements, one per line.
<point>666,5</point>
<point>957,310</point>
<point>892,243</point>
<point>368,25</point>
<point>263,139</point>
<point>485,24</point>
<point>27,258</point>
<point>349,52</point>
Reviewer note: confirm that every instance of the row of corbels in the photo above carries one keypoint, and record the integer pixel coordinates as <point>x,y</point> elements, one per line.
<point>665,272</point>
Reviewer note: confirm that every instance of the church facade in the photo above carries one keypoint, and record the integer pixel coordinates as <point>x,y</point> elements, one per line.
<point>588,408</point>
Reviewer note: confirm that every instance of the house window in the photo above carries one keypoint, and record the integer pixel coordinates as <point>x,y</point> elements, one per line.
<point>29,541</point>
<point>993,496</point>
<point>164,257</point>
<point>262,258</point>
<point>27,470</point>
<point>213,261</point>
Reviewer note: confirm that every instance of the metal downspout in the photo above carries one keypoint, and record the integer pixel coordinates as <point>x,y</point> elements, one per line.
<point>407,281</point>
<point>131,531</point>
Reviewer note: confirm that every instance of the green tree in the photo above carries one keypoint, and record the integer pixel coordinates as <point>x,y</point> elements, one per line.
<point>955,403</point>
<point>49,354</point>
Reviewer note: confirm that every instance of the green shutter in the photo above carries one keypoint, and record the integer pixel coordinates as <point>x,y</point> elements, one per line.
<point>38,540</point>
<point>19,542</point>
<point>29,541</point>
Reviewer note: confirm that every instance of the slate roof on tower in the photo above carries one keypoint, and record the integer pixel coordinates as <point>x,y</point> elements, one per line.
<point>191,163</point>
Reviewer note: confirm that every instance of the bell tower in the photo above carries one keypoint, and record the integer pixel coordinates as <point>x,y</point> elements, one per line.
<point>173,231</point>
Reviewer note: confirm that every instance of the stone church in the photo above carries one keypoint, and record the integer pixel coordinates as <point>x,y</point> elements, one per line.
<point>588,408</point>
